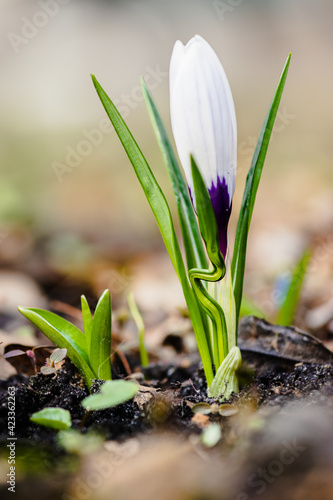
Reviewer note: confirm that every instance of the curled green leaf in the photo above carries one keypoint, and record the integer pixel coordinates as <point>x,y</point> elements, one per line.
<point>209,232</point>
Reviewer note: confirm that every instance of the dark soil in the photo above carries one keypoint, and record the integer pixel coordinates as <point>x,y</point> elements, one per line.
<point>173,388</point>
<point>166,395</point>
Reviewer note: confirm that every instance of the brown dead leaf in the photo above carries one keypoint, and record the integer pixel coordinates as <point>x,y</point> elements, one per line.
<point>265,346</point>
<point>144,396</point>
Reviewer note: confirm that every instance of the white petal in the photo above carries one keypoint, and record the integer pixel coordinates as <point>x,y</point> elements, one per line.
<point>176,62</point>
<point>202,113</point>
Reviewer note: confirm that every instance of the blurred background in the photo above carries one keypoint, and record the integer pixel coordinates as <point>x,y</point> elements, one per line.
<point>70,205</point>
<point>73,218</point>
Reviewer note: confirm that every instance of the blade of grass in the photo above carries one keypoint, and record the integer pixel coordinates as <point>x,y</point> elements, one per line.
<point>250,191</point>
<point>141,329</point>
<point>145,176</point>
<point>87,319</point>
<point>194,248</point>
<point>161,211</point>
<point>286,313</point>
<point>100,342</point>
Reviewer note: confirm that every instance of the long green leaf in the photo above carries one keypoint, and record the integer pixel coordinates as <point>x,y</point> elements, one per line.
<point>161,211</point>
<point>194,248</point>
<point>251,186</point>
<point>64,335</point>
<point>287,311</point>
<point>87,320</point>
<point>100,341</point>
<point>152,190</point>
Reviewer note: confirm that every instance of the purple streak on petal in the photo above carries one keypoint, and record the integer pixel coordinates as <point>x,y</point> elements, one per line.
<point>219,196</point>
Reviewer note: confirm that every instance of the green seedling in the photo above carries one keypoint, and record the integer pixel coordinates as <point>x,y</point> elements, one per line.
<point>288,308</point>
<point>286,312</point>
<point>141,329</point>
<point>54,418</point>
<point>89,350</point>
<point>51,362</point>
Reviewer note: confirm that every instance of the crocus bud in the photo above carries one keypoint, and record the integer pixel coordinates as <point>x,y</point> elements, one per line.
<point>203,122</point>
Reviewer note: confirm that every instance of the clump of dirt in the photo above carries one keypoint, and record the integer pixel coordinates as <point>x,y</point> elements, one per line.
<point>304,381</point>
<point>164,403</point>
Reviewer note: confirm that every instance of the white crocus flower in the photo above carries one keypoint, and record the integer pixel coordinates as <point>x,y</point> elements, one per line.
<point>204,124</point>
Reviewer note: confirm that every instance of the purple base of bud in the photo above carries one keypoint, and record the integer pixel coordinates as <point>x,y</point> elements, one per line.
<point>219,196</point>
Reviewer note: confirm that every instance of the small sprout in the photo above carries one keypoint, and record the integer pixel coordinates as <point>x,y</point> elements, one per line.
<point>89,351</point>
<point>224,410</point>
<point>54,418</point>
<point>113,393</point>
<point>57,356</point>
<point>141,329</point>
<point>211,435</point>
<point>48,370</point>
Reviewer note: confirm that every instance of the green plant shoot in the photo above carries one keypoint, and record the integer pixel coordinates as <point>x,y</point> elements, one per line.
<point>89,350</point>
<point>141,329</point>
